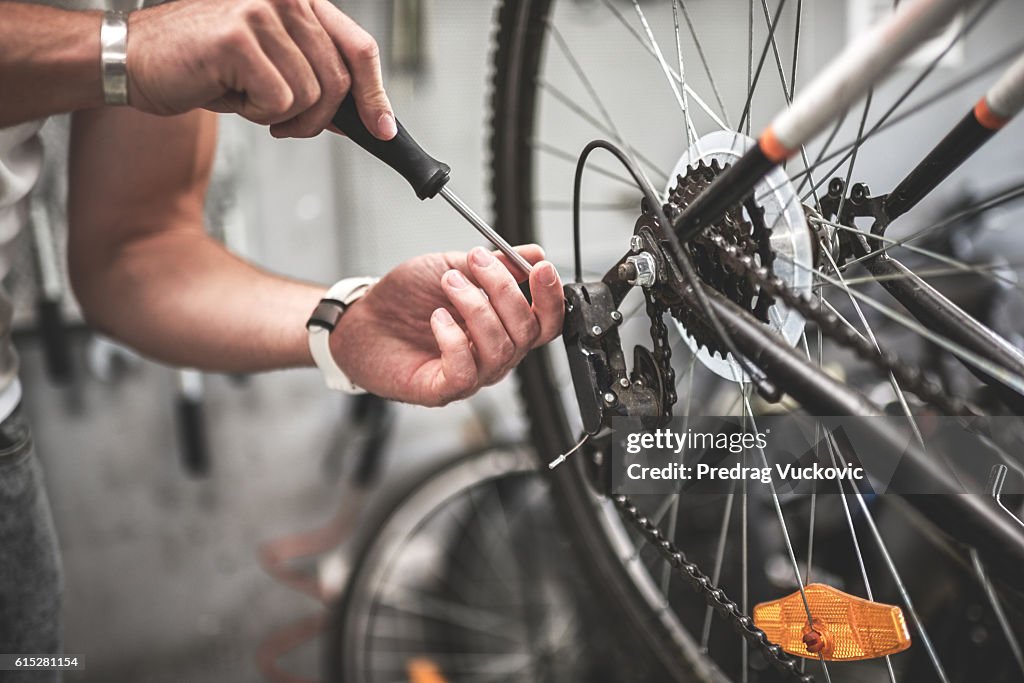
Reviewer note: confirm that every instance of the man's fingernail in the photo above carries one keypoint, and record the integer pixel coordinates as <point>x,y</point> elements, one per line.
<point>443,316</point>
<point>386,126</point>
<point>456,279</point>
<point>481,257</point>
<point>548,275</point>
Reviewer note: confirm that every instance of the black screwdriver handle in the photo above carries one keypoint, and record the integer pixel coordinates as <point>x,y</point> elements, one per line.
<point>426,174</point>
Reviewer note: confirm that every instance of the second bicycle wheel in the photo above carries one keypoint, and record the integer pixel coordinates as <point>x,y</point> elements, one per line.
<point>470,578</point>
<point>566,72</point>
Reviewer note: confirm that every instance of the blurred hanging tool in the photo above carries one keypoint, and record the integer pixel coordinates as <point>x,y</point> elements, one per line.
<point>408,40</point>
<point>52,327</point>
<point>191,421</point>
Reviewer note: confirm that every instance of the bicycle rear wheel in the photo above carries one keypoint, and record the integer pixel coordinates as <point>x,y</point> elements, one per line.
<point>559,80</point>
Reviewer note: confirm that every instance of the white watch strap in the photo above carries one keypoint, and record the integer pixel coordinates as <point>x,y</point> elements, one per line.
<point>345,291</point>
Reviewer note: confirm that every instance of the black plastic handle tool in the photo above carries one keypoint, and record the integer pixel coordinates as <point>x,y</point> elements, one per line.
<point>426,174</point>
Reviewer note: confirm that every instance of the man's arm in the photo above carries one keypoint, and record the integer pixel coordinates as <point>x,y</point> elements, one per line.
<point>434,329</point>
<point>49,62</point>
<point>142,266</point>
<point>284,63</point>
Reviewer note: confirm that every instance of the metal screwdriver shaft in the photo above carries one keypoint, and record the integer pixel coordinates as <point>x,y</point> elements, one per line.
<point>427,175</point>
<point>487,231</point>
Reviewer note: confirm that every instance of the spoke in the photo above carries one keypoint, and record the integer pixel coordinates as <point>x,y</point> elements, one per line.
<point>997,609</point>
<point>411,601</point>
<point>716,575</point>
<point>574,107</point>
<point>1010,379</point>
<point>750,84</point>
<point>745,557</point>
<point>787,93</point>
<point>745,116</point>
<point>785,535</point>
<point>666,571</point>
<point>796,45</point>
<point>856,546</point>
<point>897,579</point>
<point>853,153</point>
<point>572,158</point>
<point>667,70</point>
<point>691,132</point>
<point>874,342</point>
<point>958,266</point>
<point>559,205</point>
<point>924,273</point>
<point>592,92</point>
<point>846,505</point>
<point>703,59</point>
<point>808,170</point>
<point>643,43</point>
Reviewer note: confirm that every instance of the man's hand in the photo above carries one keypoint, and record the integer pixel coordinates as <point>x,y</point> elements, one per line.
<point>439,327</point>
<point>283,63</point>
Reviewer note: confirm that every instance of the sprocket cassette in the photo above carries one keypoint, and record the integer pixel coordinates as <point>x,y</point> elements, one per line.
<point>750,237</point>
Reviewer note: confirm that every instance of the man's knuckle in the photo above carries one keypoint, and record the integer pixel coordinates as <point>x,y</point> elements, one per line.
<point>344,81</point>
<point>236,39</point>
<point>505,351</point>
<point>257,12</point>
<point>508,288</point>
<point>308,95</point>
<point>529,331</point>
<point>479,307</point>
<point>288,6</point>
<point>367,49</point>
<point>336,82</point>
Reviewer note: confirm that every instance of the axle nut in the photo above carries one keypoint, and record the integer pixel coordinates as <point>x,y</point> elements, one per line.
<point>639,270</point>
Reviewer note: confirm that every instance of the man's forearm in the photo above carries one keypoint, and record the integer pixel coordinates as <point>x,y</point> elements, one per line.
<point>180,298</point>
<point>49,62</point>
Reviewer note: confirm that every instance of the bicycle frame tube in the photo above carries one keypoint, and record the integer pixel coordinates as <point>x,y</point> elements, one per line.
<point>998,539</point>
<point>993,111</point>
<point>941,315</point>
<point>862,65</point>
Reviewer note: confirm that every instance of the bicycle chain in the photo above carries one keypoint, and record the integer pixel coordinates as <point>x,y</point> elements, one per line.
<point>689,571</point>
<point>830,324</point>
<point>713,595</point>
<point>662,353</point>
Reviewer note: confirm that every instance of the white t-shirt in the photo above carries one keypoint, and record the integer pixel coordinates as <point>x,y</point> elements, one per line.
<point>21,161</point>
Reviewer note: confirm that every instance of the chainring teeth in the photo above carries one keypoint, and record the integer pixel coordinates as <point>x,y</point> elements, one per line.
<point>753,237</point>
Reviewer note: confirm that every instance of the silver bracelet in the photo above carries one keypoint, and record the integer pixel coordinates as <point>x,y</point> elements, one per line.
<point>114,57</point>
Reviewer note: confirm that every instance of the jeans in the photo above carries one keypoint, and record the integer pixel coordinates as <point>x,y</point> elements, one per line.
<point>30,573</point>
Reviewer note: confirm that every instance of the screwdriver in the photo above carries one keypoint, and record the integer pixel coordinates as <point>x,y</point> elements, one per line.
<point>428,176</point>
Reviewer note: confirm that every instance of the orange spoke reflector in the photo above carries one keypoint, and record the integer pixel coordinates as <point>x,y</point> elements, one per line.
<point>844,627</point>
<point>424,671</point>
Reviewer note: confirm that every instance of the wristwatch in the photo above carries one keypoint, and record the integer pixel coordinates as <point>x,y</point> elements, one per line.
<point>323,321</point>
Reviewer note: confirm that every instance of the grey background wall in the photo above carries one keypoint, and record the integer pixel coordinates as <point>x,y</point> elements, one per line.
<point>161,580</point>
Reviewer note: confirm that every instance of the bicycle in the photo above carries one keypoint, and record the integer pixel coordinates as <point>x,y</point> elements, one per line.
<point>740,280</point>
